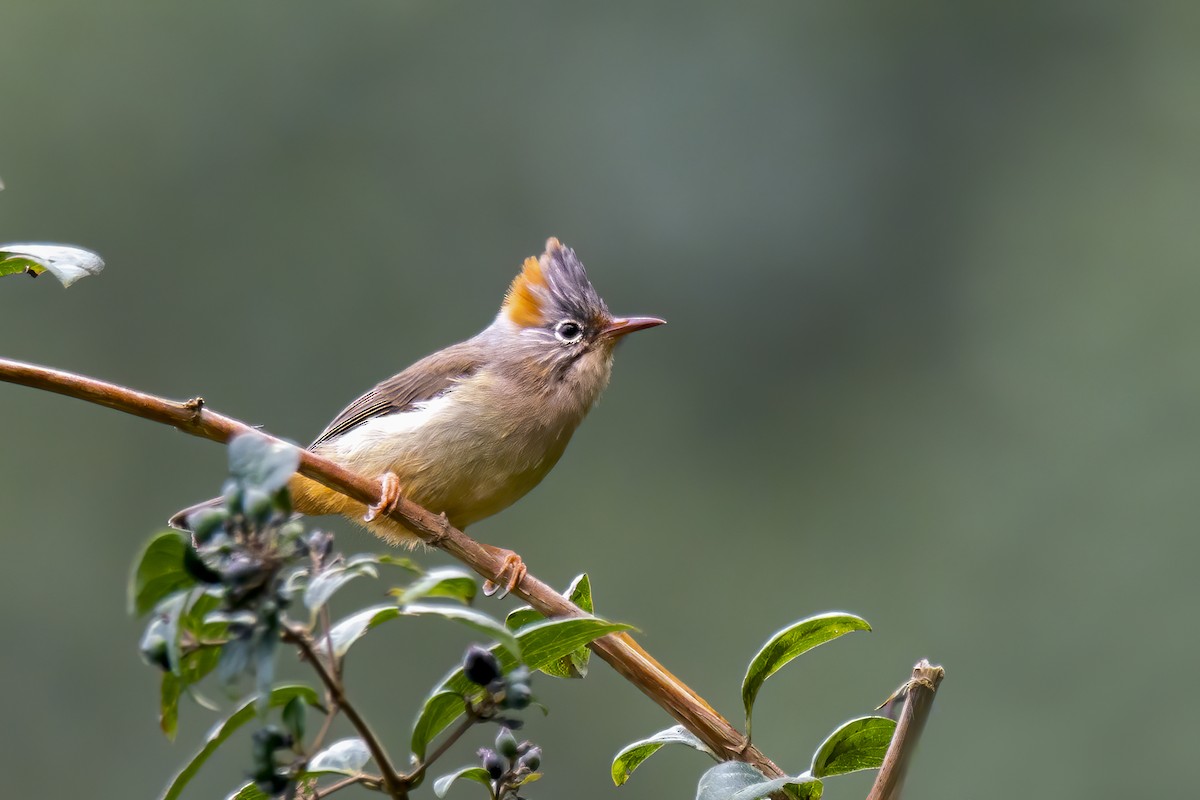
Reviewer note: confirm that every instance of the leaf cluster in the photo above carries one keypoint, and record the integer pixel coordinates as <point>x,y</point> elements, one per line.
<point>251,580</point>
<point>856,745</point>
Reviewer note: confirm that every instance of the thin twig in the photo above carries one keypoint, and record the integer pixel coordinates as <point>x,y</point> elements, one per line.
<point>441,749</point>
<point>392,781</point>
<point>917,694</point>
<point>619,650</point>
<point>337,787</point>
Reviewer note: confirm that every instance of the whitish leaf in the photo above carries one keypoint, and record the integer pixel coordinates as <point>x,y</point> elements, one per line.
<point>68,264</point>
<point>791,642</point>
<point>258,460</point>
<point>345,757</point>
<point>726,779</point>
<point>279,696</point>
<point>159,572</point>
<point>736,780</point>
<point>436,706</point>
<point>858,744</point>
<point>449,582</point>
<point>329,580</point>
<point>632,756</point>
<point>477,774</point>
<point>354,627</point>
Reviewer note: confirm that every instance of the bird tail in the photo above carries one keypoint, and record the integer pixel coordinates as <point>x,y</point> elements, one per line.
<point>179,521</point>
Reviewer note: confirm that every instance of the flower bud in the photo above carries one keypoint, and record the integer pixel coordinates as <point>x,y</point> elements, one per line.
<point>506,744</point>
<point>480,666</point>
<point>518,696</point>
<point>492,762</point>
<point>532,759</point>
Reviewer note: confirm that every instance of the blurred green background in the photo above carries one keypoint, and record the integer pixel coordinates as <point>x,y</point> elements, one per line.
<point>931,282</point>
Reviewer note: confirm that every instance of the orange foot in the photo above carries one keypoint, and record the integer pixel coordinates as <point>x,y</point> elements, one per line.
<point>389,497</point>
<point>513,566</point>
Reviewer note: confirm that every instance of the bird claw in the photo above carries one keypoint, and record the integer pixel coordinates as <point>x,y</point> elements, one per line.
<point>516,570</point>
<point>389,497</point>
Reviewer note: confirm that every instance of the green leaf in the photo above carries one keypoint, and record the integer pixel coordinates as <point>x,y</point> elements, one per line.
<point>168,704</point>
<point>159,572</point>
<point>632,756</point>
<point>250,792</point>
<point>404,562</point>
<point>477,774</point>
<point>804,787</point>
<point>258,460</point>
<point>858,744</point>
<point>294,714</point>
<point>280,695</point>
<point>574,664</point>
<point>329,580</point>
<point>540,643</point>
<point>790,642</point>
<point>354,627</point>
<point>68,264</point>
<point>449,582</point>
<point>344,757</point>
<point>520,617</point>
<point>736,780</point>
<point>193,667</point>
<point>437,705</point>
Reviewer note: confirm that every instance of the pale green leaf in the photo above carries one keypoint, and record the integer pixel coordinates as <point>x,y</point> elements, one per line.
<point>477,774</point>
<point>632,756</point>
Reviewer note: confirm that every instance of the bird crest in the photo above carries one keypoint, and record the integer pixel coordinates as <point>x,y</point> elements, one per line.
<point>550,286</point>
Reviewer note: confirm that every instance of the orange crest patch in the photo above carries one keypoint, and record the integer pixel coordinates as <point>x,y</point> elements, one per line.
<point>522,303</point>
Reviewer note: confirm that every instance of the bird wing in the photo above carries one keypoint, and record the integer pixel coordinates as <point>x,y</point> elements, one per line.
<point>424,380</point>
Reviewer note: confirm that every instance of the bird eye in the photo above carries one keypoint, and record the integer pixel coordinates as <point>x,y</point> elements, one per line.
<point>568,331</point>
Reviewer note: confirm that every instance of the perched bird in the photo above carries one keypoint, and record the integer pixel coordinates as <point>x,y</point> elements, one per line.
<point>468,430</point>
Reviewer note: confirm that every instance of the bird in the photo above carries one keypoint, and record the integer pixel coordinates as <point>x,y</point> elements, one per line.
<point>470,429</point>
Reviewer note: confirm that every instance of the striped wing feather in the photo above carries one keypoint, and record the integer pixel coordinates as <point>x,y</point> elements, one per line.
<point>424,380</point>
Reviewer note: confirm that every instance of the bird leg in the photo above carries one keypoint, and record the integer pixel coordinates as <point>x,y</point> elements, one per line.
<point>389,497</point>
<point>512,566</point>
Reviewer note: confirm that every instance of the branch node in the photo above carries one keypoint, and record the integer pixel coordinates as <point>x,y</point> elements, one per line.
<point>196,406</point>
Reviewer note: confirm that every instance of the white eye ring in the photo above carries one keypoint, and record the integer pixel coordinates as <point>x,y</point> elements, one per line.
<point>568,331</point>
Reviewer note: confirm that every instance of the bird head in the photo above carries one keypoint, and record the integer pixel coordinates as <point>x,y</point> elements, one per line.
<point>561,331</point>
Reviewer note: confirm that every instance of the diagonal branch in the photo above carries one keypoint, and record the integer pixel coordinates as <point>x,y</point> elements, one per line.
<point>917,696</point>
<point>619,650</point>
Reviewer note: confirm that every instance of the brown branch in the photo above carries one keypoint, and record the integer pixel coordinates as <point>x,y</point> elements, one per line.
<point>393,783</point>
<point>917,695</point>
<point>619,650</point>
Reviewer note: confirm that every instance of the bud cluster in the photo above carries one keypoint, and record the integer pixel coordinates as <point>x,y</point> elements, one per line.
<point>511,764</point>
